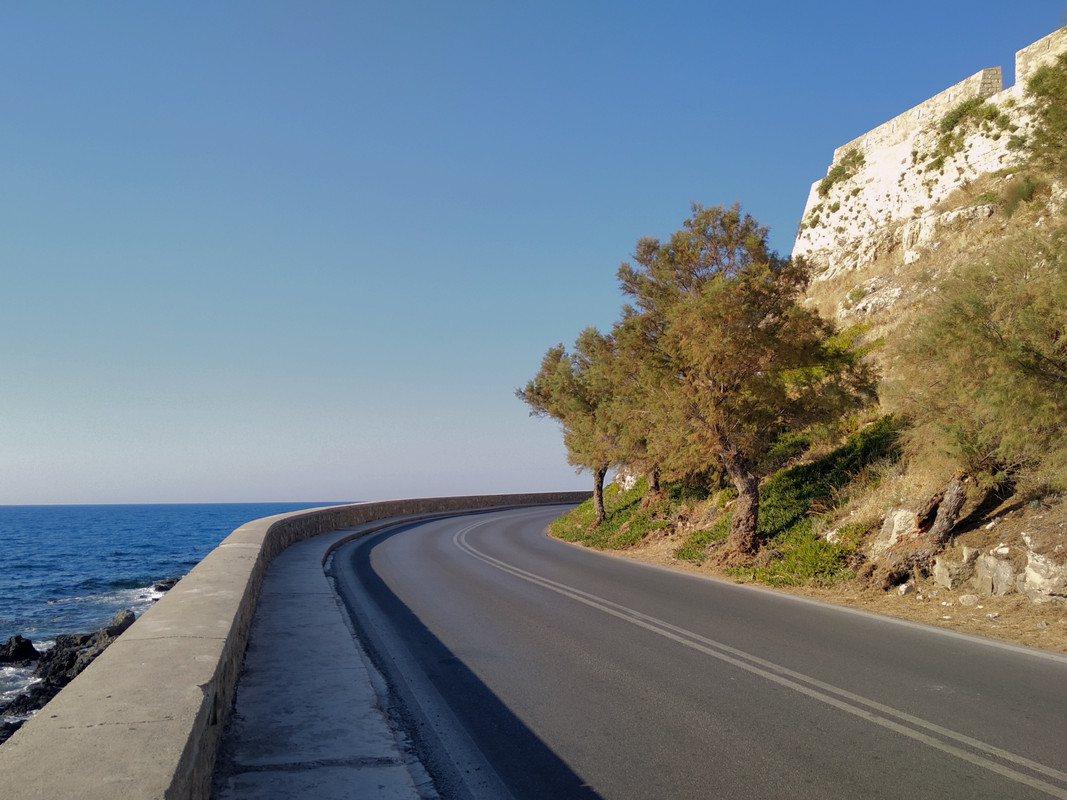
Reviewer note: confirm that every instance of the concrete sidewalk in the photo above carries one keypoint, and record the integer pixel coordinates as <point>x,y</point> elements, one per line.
<point>307,721</point>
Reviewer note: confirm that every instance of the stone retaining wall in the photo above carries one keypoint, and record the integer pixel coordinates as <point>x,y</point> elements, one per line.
<point>145,719</point>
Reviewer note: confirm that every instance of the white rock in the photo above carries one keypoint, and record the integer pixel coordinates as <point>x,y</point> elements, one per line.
<point>994,576</point>
<point>1045,579</point>
<point>898,523</point>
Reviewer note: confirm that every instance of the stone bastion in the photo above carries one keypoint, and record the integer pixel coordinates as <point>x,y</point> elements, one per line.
<point>906,166</point>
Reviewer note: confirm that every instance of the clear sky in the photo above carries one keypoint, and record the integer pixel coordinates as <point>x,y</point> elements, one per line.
<point>259,250</point>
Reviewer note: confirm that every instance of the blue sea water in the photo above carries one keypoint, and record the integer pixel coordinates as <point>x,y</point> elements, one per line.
<point>69,569</point>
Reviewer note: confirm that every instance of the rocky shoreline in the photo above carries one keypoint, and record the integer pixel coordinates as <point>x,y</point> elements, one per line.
<point>56,667</point>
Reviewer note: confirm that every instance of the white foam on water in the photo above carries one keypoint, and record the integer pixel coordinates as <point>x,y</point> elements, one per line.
<point>13,682</point>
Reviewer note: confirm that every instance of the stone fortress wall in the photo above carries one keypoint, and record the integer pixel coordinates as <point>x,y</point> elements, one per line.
<point>881,187</point>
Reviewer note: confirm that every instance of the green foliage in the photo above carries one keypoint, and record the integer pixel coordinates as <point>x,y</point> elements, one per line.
<point>695,547</point>
<point>794,554</point>
<point>1048,87</point>
<point>802,559</point>
<point>688,491</point>
<point>857,294</point>
<point>737,357</point>
<point>1020,190</point>
<point>974,110</point>
<point>725,496</point>
<point>792,501</point>
<point>851,535</point>
<point>716,358</point>
<point>624,525</point>
<point>577,390</point>
<point>791,495</point>
<point>983,377</point>
<point>788,445</point>
<point>957,124</point>
<point>843,170</point>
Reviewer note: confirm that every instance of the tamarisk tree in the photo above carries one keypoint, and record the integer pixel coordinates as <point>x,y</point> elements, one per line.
<point>576,389</point>
<point>732,359</point>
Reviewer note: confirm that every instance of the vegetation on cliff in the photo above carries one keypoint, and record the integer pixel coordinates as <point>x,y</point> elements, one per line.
<point>773,441</point>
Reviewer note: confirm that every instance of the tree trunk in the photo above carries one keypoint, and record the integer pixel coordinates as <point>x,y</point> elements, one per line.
<point>598,494</point>
<point>743,541</point>
<point>654,494</point>
<point>917,554</point>
<point>653,480</point>
<point>948,513</point>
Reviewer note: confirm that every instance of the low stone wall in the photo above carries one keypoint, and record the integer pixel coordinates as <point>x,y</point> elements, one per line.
<point>145,719</point>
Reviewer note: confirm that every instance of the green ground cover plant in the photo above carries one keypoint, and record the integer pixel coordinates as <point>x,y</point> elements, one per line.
<point>625,521</point>
<point>793,500</point>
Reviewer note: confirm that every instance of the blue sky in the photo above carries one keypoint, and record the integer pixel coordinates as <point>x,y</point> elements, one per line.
<point>264,251</point>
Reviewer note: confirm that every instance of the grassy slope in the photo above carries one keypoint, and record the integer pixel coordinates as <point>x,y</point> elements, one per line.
<point>815,514</point>
<point>796,503</point>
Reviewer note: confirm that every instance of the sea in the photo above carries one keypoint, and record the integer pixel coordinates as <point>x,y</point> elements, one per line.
<point>69,569</point>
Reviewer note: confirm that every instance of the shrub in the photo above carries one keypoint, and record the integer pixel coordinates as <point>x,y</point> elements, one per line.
<point>1048,87</point>
<point>695,547</point>
<point>1021,190</point>
<point>625,522</point>
<point>982,375</point>
<point>848,166</point>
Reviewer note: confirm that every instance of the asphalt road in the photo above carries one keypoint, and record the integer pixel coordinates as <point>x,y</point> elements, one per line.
<point>525,667</point>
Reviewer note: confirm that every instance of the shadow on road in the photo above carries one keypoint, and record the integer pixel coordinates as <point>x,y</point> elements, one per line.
<point>524,763</point>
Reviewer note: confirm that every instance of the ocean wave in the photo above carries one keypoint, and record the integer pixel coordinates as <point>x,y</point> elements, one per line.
<point>13,682</point>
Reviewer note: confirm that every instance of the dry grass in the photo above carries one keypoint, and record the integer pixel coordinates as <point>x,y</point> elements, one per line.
<point>1020,521</point>
<point>1011,618</point>
<point>910,484</point>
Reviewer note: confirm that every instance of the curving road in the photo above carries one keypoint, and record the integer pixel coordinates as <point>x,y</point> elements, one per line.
<point>525,667</point>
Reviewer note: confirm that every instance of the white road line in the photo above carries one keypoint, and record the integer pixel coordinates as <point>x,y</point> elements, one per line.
<point>849,702</point>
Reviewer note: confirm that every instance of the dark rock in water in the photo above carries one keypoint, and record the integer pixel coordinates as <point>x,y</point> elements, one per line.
<point>119,623</point>
<point>57,667</point>
<point>32,699</point>
<point>167,585</point>
<point>19,652</point>
<point>73,652</point>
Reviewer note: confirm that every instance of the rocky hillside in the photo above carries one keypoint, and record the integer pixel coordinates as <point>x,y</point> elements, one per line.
<point>939,243</point>
<point>945,184</point>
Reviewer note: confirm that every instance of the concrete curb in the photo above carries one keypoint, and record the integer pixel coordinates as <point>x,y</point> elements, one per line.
<point>146,718</point>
